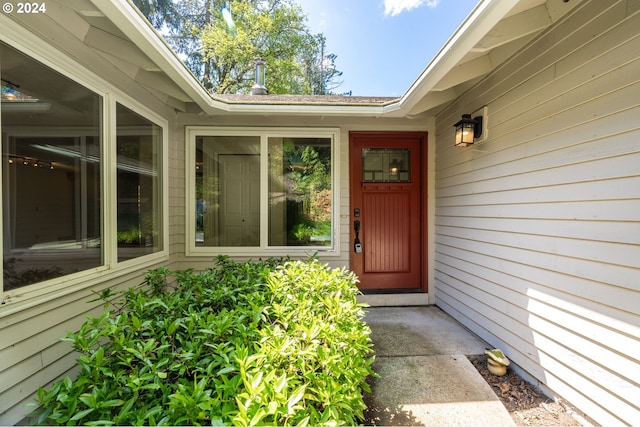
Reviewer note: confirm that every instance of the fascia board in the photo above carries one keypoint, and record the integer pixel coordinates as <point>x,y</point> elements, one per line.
<point>304,110</point>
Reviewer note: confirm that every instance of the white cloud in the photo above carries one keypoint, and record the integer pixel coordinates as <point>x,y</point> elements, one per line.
<point>396,7</point>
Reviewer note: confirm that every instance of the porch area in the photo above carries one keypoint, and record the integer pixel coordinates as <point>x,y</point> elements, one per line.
<point>425,377</point>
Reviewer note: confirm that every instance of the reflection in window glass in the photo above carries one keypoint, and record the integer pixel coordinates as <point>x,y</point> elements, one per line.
<point>227,191</point>
<point>51,180</point>
<point>300,196</point>
<point>139,196</point>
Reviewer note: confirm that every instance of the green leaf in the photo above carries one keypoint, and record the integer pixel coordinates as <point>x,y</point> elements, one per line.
<point>255,382</point>
<point>126,408</point>
<point>281,384</point>
<point>100,423</point>
<point>226,370</point>
<point>304,422</point>
<point>99,356</point>
<point>295,398</point>
<point>82,414</point>
<point>272,408</point>
<point>259,415</point>
<point>88,400</point>
<point>151,412</point>
<point>111,403</point>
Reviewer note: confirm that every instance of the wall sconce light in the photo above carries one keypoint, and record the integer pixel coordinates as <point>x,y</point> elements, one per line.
<point>468,129</point>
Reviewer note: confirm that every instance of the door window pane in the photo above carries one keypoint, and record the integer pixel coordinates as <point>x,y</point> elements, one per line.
<point>227,191</point>
<point>51,179</point>
<point>139,184</point>
<point>386,165</point>
<point>300,194</point>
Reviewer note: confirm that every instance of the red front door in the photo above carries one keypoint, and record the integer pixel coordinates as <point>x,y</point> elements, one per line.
<point>386,209</point>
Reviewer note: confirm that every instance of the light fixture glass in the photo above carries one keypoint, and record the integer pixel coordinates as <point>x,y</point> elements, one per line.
<point>468,129</point>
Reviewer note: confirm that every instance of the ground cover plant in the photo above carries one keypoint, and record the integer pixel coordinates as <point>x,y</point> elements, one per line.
<point>243,343</point>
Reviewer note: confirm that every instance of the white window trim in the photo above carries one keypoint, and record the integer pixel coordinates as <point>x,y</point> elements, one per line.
<point>32,295</point>
<point>264,133</point>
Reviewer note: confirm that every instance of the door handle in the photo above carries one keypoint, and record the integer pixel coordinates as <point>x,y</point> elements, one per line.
<point>357,246</point>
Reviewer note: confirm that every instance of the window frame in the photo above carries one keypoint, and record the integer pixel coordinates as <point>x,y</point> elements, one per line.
<point>163,229</point>
<point>264,133</point>
<point>40,51</point>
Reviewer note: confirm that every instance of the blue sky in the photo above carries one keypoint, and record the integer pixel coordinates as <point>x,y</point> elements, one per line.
<point>383,45</point>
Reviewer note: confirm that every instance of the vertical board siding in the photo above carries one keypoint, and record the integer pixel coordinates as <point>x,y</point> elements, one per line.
<point>538,227</point>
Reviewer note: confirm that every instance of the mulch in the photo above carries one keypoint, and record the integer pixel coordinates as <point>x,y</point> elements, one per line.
<point>526,404</point>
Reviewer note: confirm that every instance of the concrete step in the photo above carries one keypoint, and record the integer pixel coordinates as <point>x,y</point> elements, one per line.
<point>425,376</point>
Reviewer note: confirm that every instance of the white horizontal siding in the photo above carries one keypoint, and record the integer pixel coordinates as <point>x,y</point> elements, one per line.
<point>31,353</point>
<point>20,395</point>
<point>538,227</point>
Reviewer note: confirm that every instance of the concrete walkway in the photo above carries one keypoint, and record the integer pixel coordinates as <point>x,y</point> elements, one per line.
<point>425,377</point>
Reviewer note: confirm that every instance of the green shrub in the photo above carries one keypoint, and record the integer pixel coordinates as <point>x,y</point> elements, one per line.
<point>242,344</point>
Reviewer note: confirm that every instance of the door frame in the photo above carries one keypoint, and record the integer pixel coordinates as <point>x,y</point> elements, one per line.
<point>424,223</point>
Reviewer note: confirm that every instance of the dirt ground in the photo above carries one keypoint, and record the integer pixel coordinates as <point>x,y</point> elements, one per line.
<point>527,406</point>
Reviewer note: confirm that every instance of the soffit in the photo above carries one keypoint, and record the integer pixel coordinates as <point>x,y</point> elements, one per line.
<point>488,46</point>
<point>83,32</point>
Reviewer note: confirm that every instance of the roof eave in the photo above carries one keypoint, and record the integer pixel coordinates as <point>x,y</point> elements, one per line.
<point>133,24</point>
<point>480,21</point>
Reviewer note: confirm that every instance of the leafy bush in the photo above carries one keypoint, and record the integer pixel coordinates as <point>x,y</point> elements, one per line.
<point>241,343</point>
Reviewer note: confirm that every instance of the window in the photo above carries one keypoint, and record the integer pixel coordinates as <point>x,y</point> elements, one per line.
<point>386,165</point>
<point>300,203</point>
<point>56,220</point>
<point>262,189</point>
<point>51,172</point>
<point>138,180</point>
<point>228,191</point>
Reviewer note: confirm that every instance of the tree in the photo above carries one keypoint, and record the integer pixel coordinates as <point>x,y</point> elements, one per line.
<point>219,41</point>
<point>321,70</point>
<point>158,12</point>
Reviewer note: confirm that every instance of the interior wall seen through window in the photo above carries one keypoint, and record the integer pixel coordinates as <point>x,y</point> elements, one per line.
<point>228,191</point>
